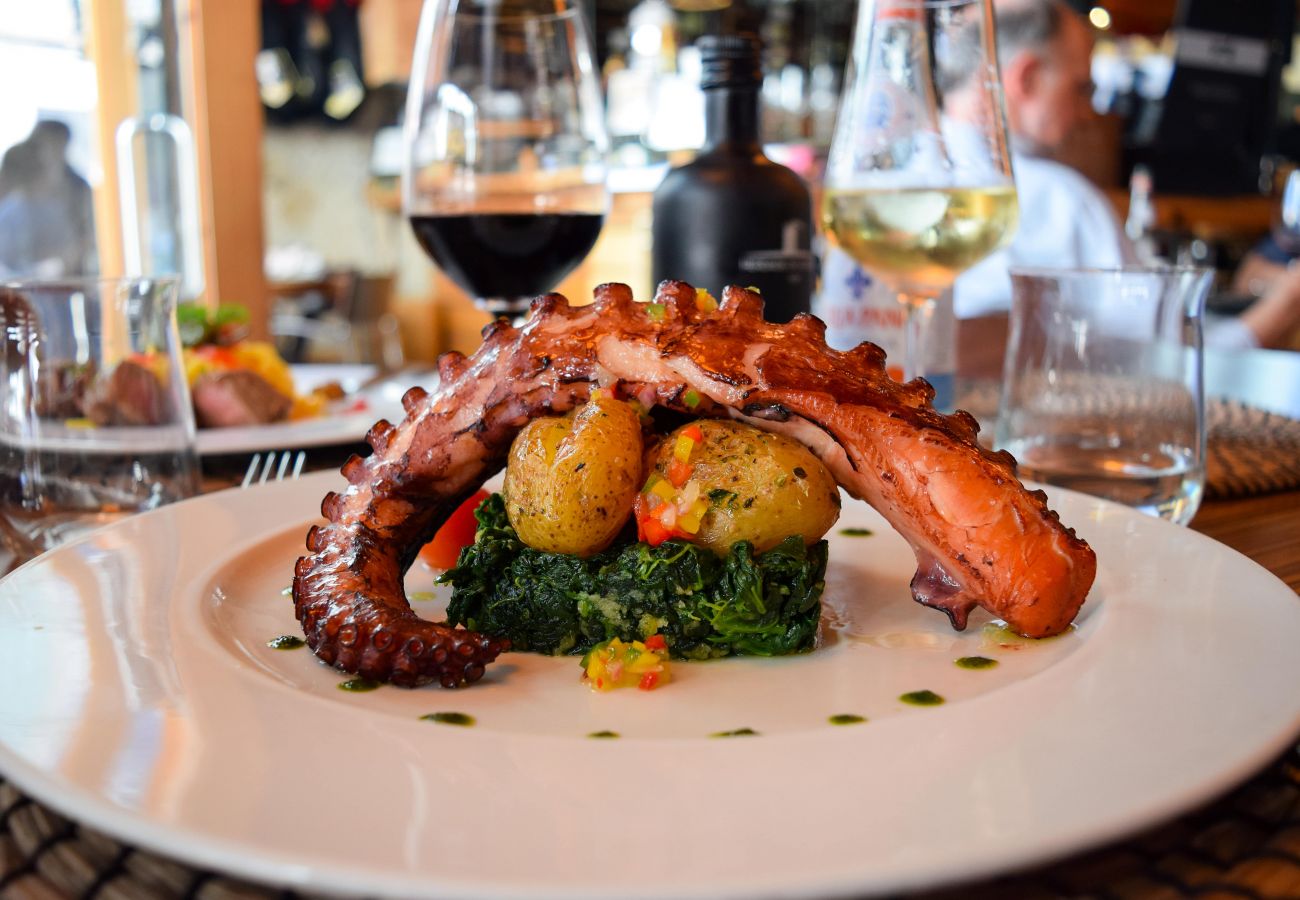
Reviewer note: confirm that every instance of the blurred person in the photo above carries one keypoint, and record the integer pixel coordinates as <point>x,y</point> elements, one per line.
<point>72,193</point>
<point>33,227</point>
<point>1044,53</point>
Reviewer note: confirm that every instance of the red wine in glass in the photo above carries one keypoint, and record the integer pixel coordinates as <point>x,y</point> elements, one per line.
<point>507,254</point>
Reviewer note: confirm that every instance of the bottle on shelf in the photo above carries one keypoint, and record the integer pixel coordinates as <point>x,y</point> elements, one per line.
<point>733,216</point>
<point>1141,215</point>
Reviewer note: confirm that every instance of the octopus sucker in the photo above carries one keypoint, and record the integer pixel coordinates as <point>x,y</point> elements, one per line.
<point>881,439</point>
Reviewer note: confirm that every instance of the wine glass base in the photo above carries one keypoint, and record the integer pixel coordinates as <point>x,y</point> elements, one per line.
<point>505,307</point>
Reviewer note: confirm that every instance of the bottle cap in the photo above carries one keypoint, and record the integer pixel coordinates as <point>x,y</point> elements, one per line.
<point>730,60</point>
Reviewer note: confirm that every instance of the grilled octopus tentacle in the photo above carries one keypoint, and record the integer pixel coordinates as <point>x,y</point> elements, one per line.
<point>980,538</point>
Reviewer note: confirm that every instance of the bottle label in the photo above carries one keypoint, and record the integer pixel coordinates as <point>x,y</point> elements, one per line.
<point>857,307</point>
<point>793,259</point>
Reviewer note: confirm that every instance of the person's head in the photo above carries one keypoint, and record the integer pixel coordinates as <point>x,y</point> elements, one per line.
<point>1045,54</point>
<point>52,136</point>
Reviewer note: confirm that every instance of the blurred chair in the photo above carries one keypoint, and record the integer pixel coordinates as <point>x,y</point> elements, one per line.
<point>343,318</point>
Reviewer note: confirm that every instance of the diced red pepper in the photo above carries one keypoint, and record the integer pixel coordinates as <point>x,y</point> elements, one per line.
<point>654,533</point>
<point>693,432</point>
<point>648,681</point>
<point>656,642</point>
<point>455,534</point>
<point>679,472</point>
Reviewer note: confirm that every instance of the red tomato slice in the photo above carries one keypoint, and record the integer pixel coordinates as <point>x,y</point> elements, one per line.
<point>454,535</point>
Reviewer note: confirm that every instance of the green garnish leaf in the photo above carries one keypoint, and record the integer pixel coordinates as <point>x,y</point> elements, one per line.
<point>199,325</point>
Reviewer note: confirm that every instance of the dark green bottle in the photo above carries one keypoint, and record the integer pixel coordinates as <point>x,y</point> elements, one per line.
<point>733,216</point>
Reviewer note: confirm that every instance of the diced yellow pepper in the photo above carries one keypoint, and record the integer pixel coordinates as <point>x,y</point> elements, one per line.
<point>664,490</point>
<point>616,664</point>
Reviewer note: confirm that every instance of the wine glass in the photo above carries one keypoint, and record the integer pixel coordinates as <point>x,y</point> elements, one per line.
<point>918,183</point>
<point>503,173</point>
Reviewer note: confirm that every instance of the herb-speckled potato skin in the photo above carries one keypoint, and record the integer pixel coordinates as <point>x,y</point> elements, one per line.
<point>570,482</point>
<point>761,487</point>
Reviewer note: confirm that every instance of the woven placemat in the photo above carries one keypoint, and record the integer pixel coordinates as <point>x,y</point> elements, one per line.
<point>1249,451</point>
<point>1245,845</point>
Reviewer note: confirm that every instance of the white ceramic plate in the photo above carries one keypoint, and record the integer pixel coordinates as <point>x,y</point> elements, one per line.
<point>326,431</point>
<point>142,699</point>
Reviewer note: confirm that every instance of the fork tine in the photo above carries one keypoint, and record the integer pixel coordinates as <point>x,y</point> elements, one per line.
<point>252,470</point>
<point>274,465</point>
<point>266,469</point>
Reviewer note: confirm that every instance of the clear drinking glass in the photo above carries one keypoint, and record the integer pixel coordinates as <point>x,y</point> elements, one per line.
<point>1102,388</point>
<point>95,414</point>
<point>503,176</point>
<point>918,182</point>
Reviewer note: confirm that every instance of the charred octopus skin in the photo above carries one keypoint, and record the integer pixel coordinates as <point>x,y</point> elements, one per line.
<point>980,538</point>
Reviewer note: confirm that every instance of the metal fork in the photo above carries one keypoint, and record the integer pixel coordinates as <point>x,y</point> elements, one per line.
<point>283,469</point>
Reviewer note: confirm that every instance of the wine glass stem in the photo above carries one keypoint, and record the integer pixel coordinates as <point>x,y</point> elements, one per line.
<point>916,346</point>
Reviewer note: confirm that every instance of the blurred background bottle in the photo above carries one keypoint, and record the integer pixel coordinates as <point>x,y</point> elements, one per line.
<point>1141,215</point>
<point>733,216</point>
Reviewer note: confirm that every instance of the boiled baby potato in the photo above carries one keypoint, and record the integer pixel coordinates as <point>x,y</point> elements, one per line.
<point>571,482</point>
<point>761,487</point>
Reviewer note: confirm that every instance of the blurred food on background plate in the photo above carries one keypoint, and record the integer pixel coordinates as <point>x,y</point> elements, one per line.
<point>236,381</point>
<point>233,380</point>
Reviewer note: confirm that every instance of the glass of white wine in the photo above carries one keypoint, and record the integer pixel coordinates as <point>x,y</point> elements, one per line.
<point>918,184</point>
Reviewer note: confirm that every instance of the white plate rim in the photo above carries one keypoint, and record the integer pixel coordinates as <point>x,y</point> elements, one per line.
<point>343,879</point>
<point>325,431</point>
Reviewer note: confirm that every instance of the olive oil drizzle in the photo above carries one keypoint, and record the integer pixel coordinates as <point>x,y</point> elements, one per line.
<point>921,698</point>
<point>975,662</point>
<point>465,720</point>
<point>846,719</point>
<point>286,642</point>
<point>358,685</point>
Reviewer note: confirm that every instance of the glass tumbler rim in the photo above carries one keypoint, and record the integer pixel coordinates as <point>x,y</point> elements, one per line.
<point>73,282</point>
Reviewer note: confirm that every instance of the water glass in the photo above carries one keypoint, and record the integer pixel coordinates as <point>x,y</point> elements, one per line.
<point>1102,387</point>
<point>95,414</point>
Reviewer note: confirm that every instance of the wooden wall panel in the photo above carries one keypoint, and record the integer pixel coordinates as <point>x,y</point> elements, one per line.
<point>226,114</point>
<point>115,81</point>
<point>388,39</point>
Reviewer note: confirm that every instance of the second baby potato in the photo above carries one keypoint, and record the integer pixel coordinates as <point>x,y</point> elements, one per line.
<point>761,487</point>
<point>570,482</point>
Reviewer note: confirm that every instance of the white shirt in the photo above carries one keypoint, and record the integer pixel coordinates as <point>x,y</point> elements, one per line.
<point>1065,222</point>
